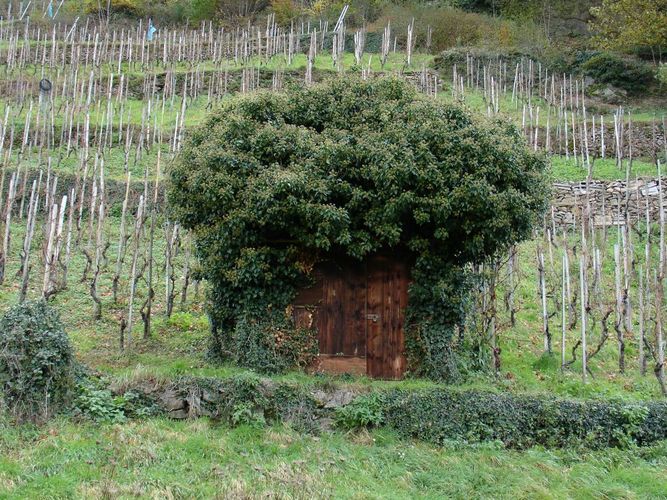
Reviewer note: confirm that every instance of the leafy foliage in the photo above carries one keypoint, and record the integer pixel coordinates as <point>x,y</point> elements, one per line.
<point>272,345</point>
<point>438,415</point>
<point>662,75</point>
<point>93,400</point>
<point>439,303</point>
<point>608,68</point>
<point>96,403</point>
<point>162,12</point>
<point>35,360</point>
<point>627,25</point>
<point>364,411</point>
<point>275,182</point>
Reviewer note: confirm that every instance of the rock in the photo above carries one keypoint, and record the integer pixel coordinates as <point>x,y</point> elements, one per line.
<point>612,95</point>
<point>171,401</point>
<point>336,399</point>
<point>194,404</point>
<point>326,424</point>
<point>178,414</point>
<point>320,397</point>
<point>210,397</point>
<point>340,398</point>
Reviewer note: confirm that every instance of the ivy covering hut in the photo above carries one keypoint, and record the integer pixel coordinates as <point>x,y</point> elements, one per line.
<point>285,192</point>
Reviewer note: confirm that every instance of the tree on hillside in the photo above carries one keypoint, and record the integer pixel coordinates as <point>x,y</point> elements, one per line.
<point>628,25</point>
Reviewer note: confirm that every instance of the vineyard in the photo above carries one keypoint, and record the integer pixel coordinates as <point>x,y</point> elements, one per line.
<point>91,121</point>
<point>93,116</point>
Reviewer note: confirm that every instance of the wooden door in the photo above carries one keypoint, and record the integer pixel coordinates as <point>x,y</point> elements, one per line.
<point>386,300</point>
<point>342,330</point>
<point>341,319</point>
<point>359,311</point>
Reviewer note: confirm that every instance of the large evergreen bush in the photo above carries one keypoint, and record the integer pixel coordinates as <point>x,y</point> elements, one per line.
<point>272,183</point>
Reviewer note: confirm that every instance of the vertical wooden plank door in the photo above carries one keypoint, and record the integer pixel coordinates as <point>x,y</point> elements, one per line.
<point>359,312</point>
<point>340,319</point>
<point>386,300</point>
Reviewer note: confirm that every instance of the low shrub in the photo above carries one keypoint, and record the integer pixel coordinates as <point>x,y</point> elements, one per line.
<point>272,345</point>
<point>453,27</point>
<point>93,400</point>
<point>243,400</point>
<point>662,75</point>
<point>364,411</point>
<point>36,361</point>
<point>439,415</point>
<point>162,12</point>
<point>97,403</point>
<point>627,74</point>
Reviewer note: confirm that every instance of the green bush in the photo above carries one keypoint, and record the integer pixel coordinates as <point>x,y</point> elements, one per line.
<point>294,405</point>
<point>274,183</point>
<point>439,302</point>
<point>439,415</point>
<point>162,12</point>
<point>610,69</point>
<point>35,361</point>
<point>662,75</point>
<point>95,402</point>
<point>453,27</point>
<point>134,8</point>
<point>272,345</point>
<point>364,411</point>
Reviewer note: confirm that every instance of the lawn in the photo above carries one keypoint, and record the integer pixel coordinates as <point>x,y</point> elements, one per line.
<point>159,458</point>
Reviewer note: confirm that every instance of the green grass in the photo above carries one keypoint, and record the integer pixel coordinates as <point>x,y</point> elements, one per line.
<point>526,369</point>
<point>475,100</point>
<point>563,169</point>
<point>396,61</point>
<point>165,459</point>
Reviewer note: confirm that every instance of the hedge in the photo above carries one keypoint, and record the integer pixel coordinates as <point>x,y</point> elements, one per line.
<point>519,421</point>
<point>435,415</point>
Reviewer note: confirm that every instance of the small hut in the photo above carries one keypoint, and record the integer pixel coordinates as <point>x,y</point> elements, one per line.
<point>370,195</point>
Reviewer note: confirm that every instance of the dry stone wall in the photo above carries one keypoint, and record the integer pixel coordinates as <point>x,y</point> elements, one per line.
<point>611,202</point>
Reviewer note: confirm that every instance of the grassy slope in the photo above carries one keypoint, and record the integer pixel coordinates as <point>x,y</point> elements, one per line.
<point>149,457</point>
<point>563,169</point>
<point>166,459</point>
<point>178,344</point>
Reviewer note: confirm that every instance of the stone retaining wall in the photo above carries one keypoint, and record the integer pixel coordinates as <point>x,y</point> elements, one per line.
<point>610,201</point>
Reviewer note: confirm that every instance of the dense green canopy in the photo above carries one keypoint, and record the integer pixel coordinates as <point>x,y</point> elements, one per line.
<point>274,182</point>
